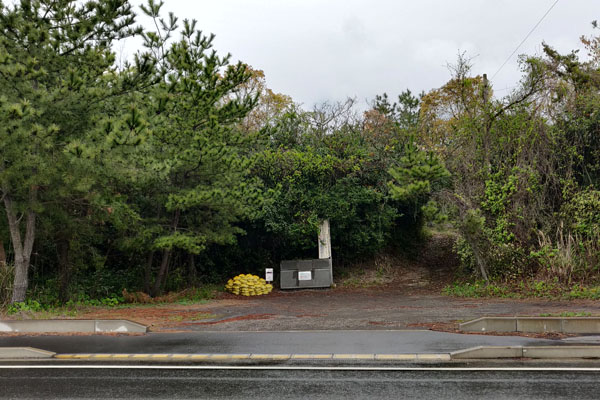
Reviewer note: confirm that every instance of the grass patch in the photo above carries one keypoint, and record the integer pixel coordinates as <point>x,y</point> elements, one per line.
<point>477,289</point>
<point>193,317</point>
<point>382,270</point>
<point>34,309</point>
<point>567,314</point>
<point>522,290</point>
<point>187,296</point>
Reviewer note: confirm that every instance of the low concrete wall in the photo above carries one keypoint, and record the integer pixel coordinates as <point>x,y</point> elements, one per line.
<point>561,352</point>
<point>119,325</point>
<point>71,325</point>
<point>539,324</point>
<point>533,324</point>
<point>545,352</point>
<point>496,324</point>
<point>581,325</point>
<point>486,352</point>
<point>24,352</point>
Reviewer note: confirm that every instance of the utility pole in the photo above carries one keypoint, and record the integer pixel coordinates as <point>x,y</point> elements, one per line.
<point>488,165</point>
<point>324,240</point>
<point>486,91</point>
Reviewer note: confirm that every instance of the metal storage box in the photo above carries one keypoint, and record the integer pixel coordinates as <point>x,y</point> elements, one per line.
<point>296,274</point>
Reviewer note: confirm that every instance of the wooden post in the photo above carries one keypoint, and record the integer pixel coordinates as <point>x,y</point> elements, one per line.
<point>486,89</point>
<point>324,240</point>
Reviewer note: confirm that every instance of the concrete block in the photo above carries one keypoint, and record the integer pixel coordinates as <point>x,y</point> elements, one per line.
<point>581,325</point>
<point>354,356</point>
<point>588,325</point>
<point>561,351</point>
<point>490,324</point>
<point>312,356</point>
<point>24,352</point>
<point>270,356</point>
<point>119,326</point>
<point>396,357</point>
<point>71,325</point>
<point>41,325</point>
<point>485,352</point>
<point>534,324</point>
<point>434,357</point>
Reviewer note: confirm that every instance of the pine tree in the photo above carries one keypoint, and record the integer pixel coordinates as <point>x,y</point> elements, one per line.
<point>55,76</point>
<point>195,150</point>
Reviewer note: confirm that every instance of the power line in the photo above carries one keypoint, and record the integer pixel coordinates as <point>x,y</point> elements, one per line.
<point>526,37</point>
<point>506,88</point>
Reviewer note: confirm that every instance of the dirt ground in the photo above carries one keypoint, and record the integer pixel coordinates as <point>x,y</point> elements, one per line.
<point>389,293</point>
<point>334,309</point>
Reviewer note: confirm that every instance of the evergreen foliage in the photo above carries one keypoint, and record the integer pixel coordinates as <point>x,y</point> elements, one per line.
<point>180,167</point>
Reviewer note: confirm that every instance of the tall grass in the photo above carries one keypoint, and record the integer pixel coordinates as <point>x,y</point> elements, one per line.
<point>569,256</point>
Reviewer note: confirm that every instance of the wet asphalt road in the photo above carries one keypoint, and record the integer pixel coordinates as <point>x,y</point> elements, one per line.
<point>125,383</point>
<point>308,342</point>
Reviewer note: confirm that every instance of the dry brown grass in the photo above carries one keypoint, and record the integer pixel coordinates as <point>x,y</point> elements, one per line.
<point>568,256</point>
<point>433,265</point>
<point>6,284</point>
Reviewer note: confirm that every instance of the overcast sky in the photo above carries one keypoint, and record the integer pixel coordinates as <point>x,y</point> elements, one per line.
<point>327,50</point>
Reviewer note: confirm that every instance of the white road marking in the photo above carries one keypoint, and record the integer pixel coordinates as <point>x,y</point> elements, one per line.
<point>308,368</point>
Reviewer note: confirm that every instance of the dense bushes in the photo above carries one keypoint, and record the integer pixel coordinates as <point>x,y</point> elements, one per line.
<point>186,168</point>
<point>524,169</point>
<point>181,168</point>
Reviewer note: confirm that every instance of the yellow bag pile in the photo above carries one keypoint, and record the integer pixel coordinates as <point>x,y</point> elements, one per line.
<point>248,285</point>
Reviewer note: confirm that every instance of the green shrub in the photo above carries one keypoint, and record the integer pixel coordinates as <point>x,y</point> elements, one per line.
<point>25,306</point>
<point>583,213</point>
<point>476,289</point>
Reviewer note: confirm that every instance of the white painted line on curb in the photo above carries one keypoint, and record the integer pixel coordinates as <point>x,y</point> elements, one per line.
<point>311,356</point>
<point>308,368</point>
<point>260,356</point>
<point>395,357</point>
<point>434,357</point>
<point>370,331</point>
<point>354,356</point>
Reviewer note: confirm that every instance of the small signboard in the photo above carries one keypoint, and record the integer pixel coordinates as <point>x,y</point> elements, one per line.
<point>269,274</point>
<point>304,275</point>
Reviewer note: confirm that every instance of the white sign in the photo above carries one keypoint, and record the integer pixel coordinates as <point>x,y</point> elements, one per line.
<point>269,274</point>
<point>304,275</point>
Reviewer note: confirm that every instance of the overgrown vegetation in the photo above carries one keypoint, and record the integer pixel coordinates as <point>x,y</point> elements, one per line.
<point>179,168</point>
<point>531,288</point>
<point>524,194</point>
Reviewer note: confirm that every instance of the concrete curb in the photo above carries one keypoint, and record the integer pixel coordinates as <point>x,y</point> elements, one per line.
<point>71,325</point>
<point>533,324</point>
<point>474,353</point>
<point>543,352</point>
<point>24,352</point>
<point>258,357</point>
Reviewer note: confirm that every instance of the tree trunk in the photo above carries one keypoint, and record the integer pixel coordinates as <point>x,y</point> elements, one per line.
<point>148,272</point>
<point>470,237</point>
<point>22,249</point>
<point>479,260</point>
<point>164,264</point>
<point>162,273</point>
<point>64,269</point>
<point>2,256</point>
<point>192,271</point>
